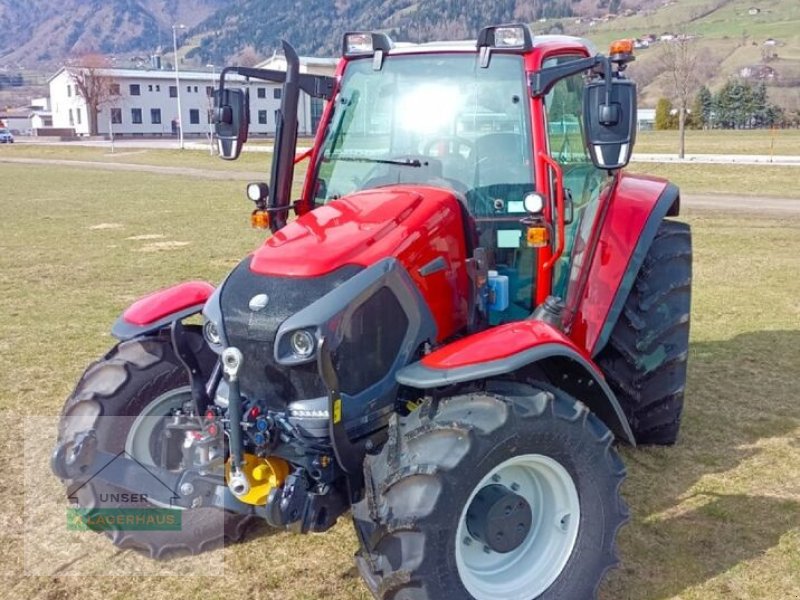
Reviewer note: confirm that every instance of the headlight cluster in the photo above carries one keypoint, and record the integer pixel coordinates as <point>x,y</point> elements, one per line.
<point>302,344</point>
<point>211,333</point>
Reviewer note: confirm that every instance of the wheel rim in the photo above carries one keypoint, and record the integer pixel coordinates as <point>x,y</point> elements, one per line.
<point>150,420</point>
<point>528,570</point>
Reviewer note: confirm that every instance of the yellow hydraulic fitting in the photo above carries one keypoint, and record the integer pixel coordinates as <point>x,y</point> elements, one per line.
<point>262,474</point>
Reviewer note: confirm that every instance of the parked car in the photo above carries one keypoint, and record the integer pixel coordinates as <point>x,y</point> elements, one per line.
<point>6,137</point>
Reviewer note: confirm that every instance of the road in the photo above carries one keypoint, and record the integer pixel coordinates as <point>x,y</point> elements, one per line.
<point>772,206</point>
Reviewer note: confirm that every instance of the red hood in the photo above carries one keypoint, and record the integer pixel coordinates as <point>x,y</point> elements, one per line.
<point>360,229</point>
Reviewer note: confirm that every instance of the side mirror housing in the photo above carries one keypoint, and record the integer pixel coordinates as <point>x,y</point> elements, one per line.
<point>231,121</point>
<point>609,122</point>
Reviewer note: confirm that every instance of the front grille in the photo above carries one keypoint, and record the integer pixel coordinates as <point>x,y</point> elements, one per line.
<point>253,332</point>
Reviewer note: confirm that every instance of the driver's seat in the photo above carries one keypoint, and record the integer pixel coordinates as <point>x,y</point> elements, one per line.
<point>500,159</point>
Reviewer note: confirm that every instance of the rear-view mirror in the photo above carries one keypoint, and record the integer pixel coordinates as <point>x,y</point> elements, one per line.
<point>231,121</point>
<point>609,122</point>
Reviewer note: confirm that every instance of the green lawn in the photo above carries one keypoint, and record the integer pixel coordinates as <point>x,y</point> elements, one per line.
<point>754,141</point>
<point>714,518</point>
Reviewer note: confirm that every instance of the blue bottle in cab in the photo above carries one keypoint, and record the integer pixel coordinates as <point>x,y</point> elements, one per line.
<point>498,292</point>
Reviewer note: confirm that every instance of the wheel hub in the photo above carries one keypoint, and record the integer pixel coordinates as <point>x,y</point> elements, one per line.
<point>499,518</point>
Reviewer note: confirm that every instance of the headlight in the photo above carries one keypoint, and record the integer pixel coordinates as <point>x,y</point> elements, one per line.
<point>302,343</point>
<point>211,333</point>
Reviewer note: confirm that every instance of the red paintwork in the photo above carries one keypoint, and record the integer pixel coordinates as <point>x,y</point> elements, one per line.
<point>558,176</point>
<point>161,304</point>
<point>415,224</point>
<point>533,63</point>
<point>496,343</point>
<point>630,206</point>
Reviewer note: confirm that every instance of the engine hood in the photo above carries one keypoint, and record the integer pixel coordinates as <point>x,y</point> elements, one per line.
<point>358,229</point>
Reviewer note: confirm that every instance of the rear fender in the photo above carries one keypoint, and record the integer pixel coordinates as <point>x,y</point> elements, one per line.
<point>637,208</point>
<point>515,348</point>
<point>159,309</point>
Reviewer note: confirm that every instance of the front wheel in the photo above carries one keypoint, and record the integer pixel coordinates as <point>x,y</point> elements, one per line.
<point>512,496</point>
<point>125,397</point>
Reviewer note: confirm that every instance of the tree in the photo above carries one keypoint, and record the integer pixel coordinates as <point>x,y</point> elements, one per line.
<point>94,85</point>
<point>664,118</point>
<point>703,107</point>
<point>679,58</point>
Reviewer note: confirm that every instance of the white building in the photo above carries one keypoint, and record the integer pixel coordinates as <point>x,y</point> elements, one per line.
<point>146,102</point>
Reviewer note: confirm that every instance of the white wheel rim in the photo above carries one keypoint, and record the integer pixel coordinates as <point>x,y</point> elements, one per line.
<point>527,571</point>
<point>137,443</point>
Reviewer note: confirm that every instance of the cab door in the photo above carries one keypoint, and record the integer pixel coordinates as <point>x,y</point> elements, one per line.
<point>585,186</point>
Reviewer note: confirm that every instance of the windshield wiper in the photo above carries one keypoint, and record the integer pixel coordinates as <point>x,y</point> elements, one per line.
<point>407,162</point>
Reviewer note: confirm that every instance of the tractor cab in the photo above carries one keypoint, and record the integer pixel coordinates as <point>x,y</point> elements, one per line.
<point>430,115</point>
<point>504,123</point>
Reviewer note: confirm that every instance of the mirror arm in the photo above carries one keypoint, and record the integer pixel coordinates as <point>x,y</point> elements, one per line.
<point>542,81</point>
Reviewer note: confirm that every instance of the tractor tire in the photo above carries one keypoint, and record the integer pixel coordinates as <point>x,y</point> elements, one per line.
<point>645,358</point>
<point>132,379</point>
<point>425,489</point>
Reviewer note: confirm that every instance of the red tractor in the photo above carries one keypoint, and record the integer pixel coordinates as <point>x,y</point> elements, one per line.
<point>472,303</point>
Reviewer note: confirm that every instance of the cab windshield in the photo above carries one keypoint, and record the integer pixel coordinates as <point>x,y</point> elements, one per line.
<point>433,119</point>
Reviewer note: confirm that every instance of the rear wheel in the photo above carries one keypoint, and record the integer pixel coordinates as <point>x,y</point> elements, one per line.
<point>492,496</point>
<point>645,358</point>
<point>135,383</point>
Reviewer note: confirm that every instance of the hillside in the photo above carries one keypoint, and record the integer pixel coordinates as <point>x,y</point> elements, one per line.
<point>41,35</point>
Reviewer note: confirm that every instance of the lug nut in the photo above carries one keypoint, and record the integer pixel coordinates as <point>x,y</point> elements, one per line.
<point>467,541</point>
<point>495,477</point>
<point>187,489</point>
<point>487,550</point>
<point>514,487</point>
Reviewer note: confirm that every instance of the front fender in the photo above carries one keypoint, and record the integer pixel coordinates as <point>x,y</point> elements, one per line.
<point>509,348</point>
<point>159,309</point>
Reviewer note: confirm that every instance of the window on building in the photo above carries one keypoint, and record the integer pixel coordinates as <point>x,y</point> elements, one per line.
<point>195,89</point>
<point>113,89</point>
<point>136,90</point>
<point>262,117</point>
<point>155,116</point>
<point>158,88</point>
<point>194,116</point>
<point>209,90</point>
<point>78,115</point>
<point>276,93</point>
<point>116,116</point>
<point>150,88</point>
<point>71,118</point>
<point>173,91</point>
<point>262,92</point>
<point>188,89</point>
<point>136,116</point>
<point>69,91</point>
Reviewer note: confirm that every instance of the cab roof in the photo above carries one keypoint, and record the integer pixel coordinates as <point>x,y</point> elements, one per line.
<point>472,45</point>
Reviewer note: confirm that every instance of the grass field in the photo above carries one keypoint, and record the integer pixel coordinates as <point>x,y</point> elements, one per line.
<point>716,517</point>
<point>718,141</point>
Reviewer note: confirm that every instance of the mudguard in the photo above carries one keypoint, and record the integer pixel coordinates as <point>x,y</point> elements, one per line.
<point>636,210</point>
<point>159,309</point>
<point>508,348</point>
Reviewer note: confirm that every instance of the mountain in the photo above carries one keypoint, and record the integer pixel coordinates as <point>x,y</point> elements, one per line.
<point>43,33</point>
<point>755,39</point>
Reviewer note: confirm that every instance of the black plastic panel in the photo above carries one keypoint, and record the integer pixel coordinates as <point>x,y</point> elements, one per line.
<point>253,332</point>
<point>371,341</point>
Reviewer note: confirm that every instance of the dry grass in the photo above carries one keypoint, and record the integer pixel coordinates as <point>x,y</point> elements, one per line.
<point>766,142</point>
<point>737,180</point>
<point>716,517</point>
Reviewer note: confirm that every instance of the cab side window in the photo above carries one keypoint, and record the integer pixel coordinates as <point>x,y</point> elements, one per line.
<point>583,182</point>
